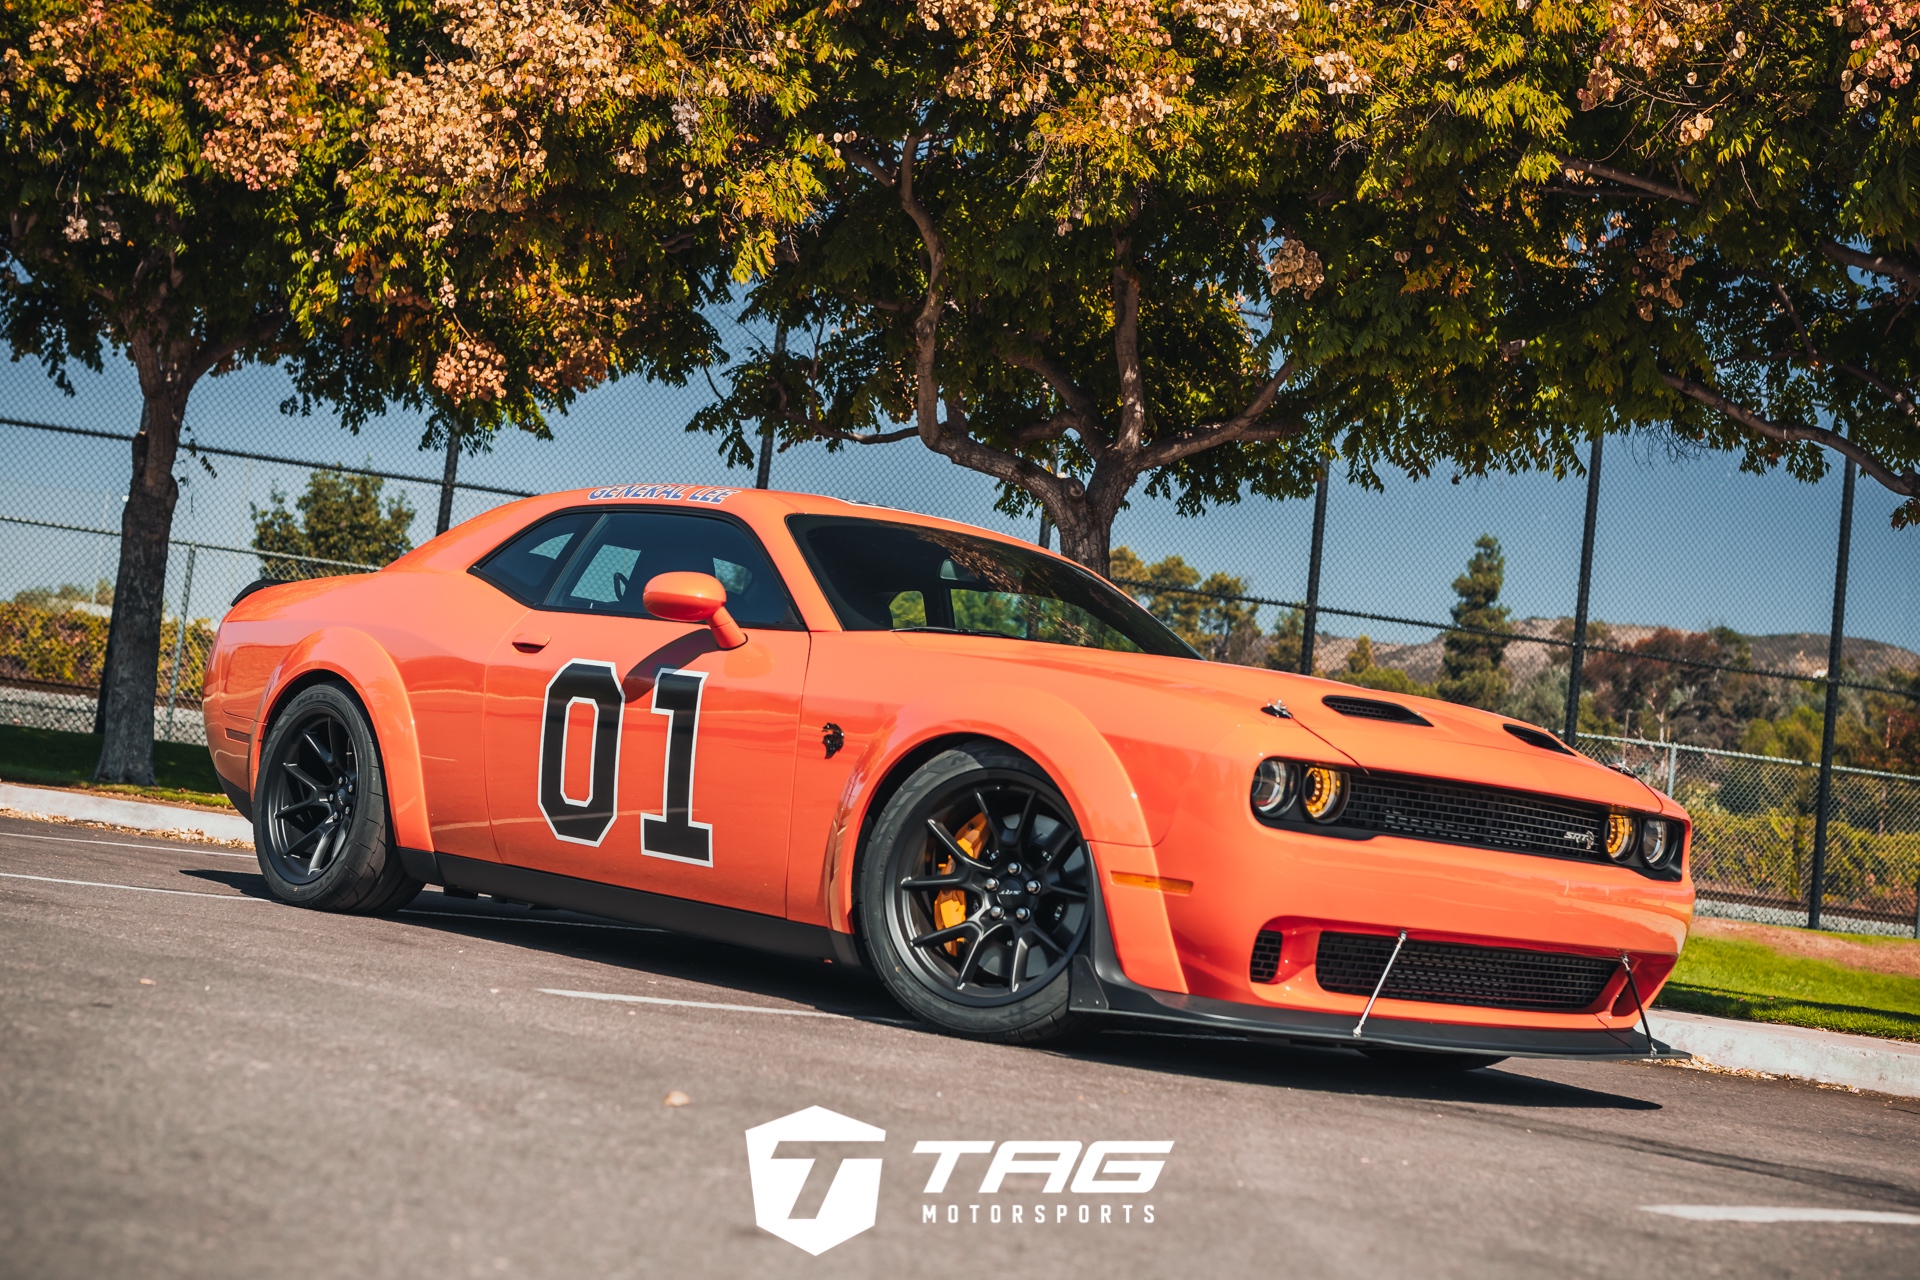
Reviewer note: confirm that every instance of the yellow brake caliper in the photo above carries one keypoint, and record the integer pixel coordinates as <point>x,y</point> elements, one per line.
<point>950,905</point>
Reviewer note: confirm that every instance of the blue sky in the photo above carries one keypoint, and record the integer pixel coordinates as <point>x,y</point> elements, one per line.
<point>1685,542</point>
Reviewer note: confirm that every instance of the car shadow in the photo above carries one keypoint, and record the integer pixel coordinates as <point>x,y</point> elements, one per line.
<point>1165,1048</point>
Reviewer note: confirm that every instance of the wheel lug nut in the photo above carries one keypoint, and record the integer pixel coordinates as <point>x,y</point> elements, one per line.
<point>1033,886</point>
<point>996,913</point>
<point>1014,869</point>
<point>992,883</point>
<point>1021,914</point>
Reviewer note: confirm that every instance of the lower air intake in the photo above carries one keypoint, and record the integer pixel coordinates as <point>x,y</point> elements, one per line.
<point>1266,956</point>
<point>1452,973</point>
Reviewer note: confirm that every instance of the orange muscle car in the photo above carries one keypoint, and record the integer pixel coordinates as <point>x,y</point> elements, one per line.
<point>880,739</point>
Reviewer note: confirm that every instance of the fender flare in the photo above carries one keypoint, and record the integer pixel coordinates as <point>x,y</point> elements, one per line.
<point>369,670</point>
<point>1059,738</point>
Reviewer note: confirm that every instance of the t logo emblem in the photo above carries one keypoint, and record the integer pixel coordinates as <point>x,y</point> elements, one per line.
<point>852,1199</point>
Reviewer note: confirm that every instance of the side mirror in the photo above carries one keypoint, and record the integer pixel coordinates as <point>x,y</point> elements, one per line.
<point>694,597</point>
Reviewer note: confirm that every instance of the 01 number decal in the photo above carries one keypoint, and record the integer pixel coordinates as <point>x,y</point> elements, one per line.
<point>672,833</point>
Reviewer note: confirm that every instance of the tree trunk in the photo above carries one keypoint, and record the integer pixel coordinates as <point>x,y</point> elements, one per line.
<point>1085,538</point>
<point>146,526</point>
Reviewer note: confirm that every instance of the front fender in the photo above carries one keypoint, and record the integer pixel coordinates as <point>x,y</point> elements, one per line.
<point>357,658</point>
<point>1076,756</point>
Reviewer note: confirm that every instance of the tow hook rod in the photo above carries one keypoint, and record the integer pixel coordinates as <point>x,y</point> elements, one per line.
<point>1367,1012</point>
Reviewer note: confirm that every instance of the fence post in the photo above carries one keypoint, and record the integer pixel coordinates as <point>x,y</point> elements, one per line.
<point>180,637</point>
<point>1673,765</point>
<point>1816,891</point>
<point>766,424</point>
<point>446,480</point>
<point>1577,659</point>
<point>1313,574</point>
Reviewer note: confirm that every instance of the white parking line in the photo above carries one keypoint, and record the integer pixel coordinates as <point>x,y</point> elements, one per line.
<point>708,1004</point>
<point>137,888</point>
<point>1778,1213</point>
<point>122,844</point>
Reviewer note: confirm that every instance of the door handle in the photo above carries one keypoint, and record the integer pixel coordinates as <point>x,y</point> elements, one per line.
<point>532,642</point>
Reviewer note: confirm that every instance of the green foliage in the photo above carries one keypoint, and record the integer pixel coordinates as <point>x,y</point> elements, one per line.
<point>1198,615</point>
<point>69,646</point>
<point>1732,978</point>
<point>340,518</point>
<point>1696,217</point>
<point>1470,666</point>
<point>1289,641</point>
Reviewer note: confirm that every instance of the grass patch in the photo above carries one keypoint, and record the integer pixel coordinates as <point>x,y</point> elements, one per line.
<point>51,757</point>
<point>1745,980</point>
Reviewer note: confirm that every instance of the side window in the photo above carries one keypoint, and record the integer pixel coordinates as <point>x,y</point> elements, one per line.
<point>526,567</point>
<point>629,548</point>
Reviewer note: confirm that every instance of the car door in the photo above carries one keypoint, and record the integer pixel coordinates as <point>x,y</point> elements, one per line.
<point>632,751</point>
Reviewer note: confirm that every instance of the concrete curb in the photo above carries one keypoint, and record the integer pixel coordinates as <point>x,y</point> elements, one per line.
<point>1863,1062</point>
<point>143,815</point>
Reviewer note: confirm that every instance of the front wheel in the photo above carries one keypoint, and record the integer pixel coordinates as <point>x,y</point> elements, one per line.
<point>976,894</point>
<point>320,810</point>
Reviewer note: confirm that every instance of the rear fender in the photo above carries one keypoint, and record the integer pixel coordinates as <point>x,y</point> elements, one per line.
<point>1074,754</point>
<point>358,659</point>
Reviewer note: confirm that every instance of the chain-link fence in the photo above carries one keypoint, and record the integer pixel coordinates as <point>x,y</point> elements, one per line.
<point>1753,833</point>
<point>62,550</point>
<point>1471,591</point>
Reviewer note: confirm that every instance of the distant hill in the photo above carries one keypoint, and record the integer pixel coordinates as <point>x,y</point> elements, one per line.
<point>1802,653</point>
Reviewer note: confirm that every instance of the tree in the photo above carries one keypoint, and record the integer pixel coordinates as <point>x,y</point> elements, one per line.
<point>1470,660</point>
<point>1360,669</point>
<point>1203,612</point>
<point>1077,248</point>
<point>477,207</point>
<point>1698,216</point>
<point>340,518</point>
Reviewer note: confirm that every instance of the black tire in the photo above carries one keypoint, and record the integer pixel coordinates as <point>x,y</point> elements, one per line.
<point>320,824</point>
<point>1432,1062</point>
<point>991,976</point>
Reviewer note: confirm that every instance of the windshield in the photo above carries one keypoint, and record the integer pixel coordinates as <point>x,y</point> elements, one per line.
<point>882,576</point>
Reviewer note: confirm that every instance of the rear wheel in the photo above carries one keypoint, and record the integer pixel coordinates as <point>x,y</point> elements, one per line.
<point>1425,1062</point>
<point>975,895</point>
<point>320,824</point>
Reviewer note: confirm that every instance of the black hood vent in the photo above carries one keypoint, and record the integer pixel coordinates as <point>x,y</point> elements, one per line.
<point>1374,709</point>
<point>1537,738</point>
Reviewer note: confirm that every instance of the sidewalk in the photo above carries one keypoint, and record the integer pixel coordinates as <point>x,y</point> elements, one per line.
<point>142,815</point>
<point>1864,1062</point>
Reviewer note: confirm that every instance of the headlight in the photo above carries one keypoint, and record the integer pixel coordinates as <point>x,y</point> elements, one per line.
<point>1323,793</point>
<point>1275,783</point>
<point>1657,845</point>
<point>1619,837</point>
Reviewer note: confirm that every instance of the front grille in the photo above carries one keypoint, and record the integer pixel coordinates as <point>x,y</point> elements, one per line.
<point>1459,814</point>
<point>1266,956</point>
<point>1453,973</point>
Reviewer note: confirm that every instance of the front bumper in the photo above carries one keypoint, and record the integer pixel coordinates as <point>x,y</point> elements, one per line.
<point>1101,985</point>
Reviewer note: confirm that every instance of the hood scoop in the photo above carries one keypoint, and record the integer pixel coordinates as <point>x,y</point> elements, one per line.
<point>1374,709</point>
<point>1538,738</point>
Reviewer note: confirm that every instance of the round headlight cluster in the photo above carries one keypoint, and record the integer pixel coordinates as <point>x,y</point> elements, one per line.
<point>1658,843</point>
<point>1619,836</point>
<point>1275,783</point>
<point>1656,840</point>
<point>1281,786</point>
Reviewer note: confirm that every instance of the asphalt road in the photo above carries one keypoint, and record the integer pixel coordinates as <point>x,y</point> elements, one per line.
<point>203,1083</point>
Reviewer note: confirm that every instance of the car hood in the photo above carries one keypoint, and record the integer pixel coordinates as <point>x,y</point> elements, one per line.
<point>1459,743</point>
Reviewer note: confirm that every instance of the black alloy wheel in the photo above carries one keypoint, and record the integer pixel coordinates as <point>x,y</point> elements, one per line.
<point>320,822</point>
<point>977,894</point>
<point>311,797</point>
